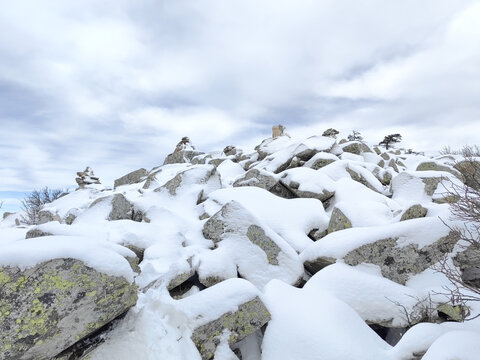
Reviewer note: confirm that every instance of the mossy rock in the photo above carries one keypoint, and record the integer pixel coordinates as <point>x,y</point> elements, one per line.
<point>249,317</point>
<point>338,221</point>
<point>47,308</point>
<point>399,263</point>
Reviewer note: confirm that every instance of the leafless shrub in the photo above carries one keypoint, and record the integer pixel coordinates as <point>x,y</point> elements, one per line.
<point>464,209</point>
<point>33,203</point>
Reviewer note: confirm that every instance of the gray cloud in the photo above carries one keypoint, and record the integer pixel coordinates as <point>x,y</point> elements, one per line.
<point>115,84</point>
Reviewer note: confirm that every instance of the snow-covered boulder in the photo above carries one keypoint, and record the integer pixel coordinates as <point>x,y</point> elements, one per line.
<point>231,310</point>
<point>320,160</point>
<point>184,153</point>
<point>131,178</point>
<point>338,221</point>
<point>197,178</point>
<point>59,292</point>
<point>259,253</point>
<point>116,207</point>
<point>45,216</point>
<point>308,183</point>
<point>400,249</point>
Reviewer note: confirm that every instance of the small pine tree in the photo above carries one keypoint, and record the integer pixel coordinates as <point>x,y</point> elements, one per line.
<point>390,139</point>
<point>355,136</point>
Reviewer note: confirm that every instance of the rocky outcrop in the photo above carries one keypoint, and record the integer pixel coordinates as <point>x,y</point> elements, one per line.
<point>398,263</point>
<point>184,152</point>
<point>49,307</point>
<point>131,178</point>
<point>86,177</point>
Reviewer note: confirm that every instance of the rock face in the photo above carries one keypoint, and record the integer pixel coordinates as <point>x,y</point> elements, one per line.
<point>47,308</point>
<point>249,317</point>
<point>131,178</point>
<point>86,177</point>
<point>184,152</point>
<point>398,263</point>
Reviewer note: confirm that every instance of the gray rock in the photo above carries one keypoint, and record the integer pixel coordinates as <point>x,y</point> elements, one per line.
<point>414,212</point>
<point>393,165</point>
<point>377,150</point>
<point>356,147</point>
<point>319,163</point>
<point>360,178</point>
<point>315,265</point>
<point>47,308</point>
<point>249,317</point>
<point>34,233</point>
<point>468,261</point>
<point>225,223</point>
<point>131,178</point>
<point>230,150</point>
<point>385,156</point>
<point>45,216</point>
<point>470,171</point>
<point>433,166</point>
<point>70,219</point>
<point>338,221</point>
<point>293,186</point>
<point>399,263</point>
<point>5,214</point>
<point>122,209</point>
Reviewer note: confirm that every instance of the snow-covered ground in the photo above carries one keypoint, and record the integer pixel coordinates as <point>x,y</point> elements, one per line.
<point>324,316</point>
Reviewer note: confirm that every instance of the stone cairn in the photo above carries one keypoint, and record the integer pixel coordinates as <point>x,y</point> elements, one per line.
<point>86,177</point>
<point>184,144</point>
<point>278,130</point>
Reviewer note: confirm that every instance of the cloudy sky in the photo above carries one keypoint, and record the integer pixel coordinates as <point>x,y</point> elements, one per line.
<point>115,84</point>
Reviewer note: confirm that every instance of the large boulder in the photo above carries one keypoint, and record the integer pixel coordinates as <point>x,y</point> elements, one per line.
<point>355,147</point>
<point>434,166</point>
<point>260,254</point>
<point>470,171</point>
<point>49,307</point>
<point>397,262</point>
<point>131,178</point>
<point>45,216</point>
<point>414,212</point>
<point>231,310</point>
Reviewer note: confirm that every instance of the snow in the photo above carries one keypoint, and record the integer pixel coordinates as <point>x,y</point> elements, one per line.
<point>315,326</point>
<point>463,345</point>
<point>103,256</point>
<point>370,295</point>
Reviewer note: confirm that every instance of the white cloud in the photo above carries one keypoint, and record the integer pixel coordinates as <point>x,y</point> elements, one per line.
<point>115,84</point>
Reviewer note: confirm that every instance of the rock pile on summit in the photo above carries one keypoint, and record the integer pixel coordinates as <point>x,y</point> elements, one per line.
<point>291,251</point>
